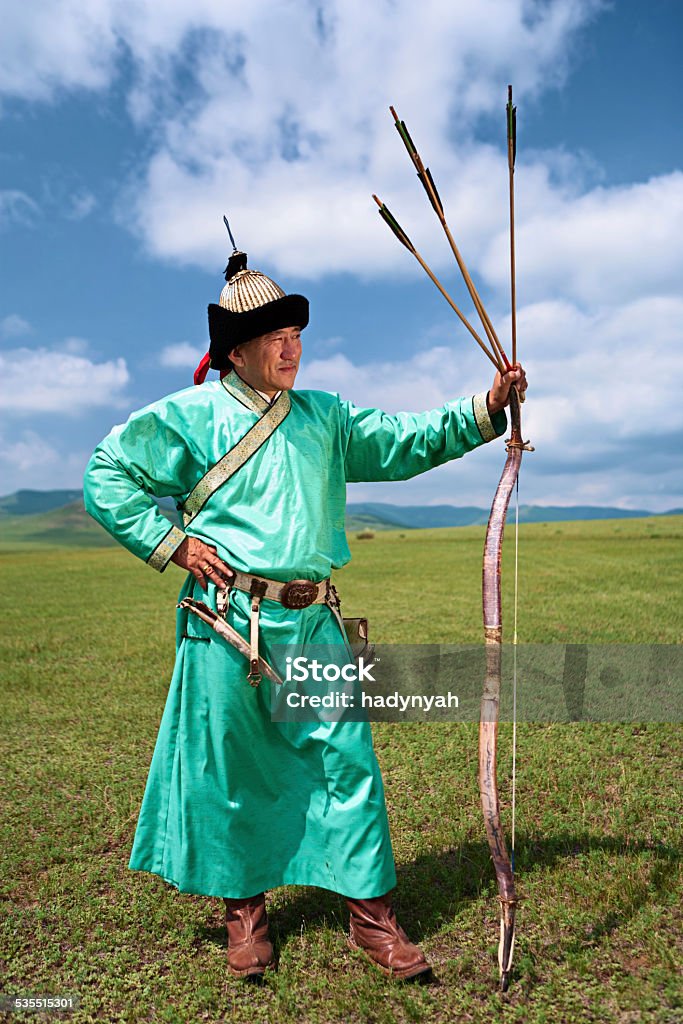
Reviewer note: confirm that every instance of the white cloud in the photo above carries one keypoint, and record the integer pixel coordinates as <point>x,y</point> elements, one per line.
<point>14,326</point>
<point>280,113</point>
<point>29,460</point>
<point>54,45</point>
<point>606,246</point>
<point>81,205</point>
<point>428,379</point>
<point>300,92</point>
<point>76,346</point>
<point>30,453</point>
<point>16,207</point>
<point>277,115</point>
<point>181,355</point>
<point>604,410</point>
<point>305,136</point>
<point>57,45</point>
<point>43,381</point>
<point>609,376</point>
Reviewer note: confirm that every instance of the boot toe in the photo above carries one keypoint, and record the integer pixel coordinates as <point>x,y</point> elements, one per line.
<point>406,961</point>
<point>375,930</point>
<point>252,959</point>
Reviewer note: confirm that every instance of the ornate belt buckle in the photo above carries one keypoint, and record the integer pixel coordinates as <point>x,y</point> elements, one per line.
<point>299,593</point>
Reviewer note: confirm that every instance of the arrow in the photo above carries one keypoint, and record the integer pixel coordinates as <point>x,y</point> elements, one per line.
<point>427,181</point>
<point>511,113</point>
<point>389,219</point>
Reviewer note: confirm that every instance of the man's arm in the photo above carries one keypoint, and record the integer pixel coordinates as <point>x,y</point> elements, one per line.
<point>149,455</point>
<point>380,446</point>
<point>117,490</point>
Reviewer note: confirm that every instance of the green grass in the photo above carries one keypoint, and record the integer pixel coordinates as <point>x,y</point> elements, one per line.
<point>87,652</point>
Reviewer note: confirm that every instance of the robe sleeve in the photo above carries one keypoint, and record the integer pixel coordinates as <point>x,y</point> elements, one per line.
<point>380,446</point>
<point>147,456</point>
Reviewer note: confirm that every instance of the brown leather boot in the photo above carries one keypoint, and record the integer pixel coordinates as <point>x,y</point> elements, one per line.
<point>375,930</point>
<point>249,948</point>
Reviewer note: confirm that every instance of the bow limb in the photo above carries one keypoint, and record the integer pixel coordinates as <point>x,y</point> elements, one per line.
<point>488,723</point>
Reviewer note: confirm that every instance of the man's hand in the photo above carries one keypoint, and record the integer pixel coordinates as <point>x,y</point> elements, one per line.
<point>203,562</point>
<point>499,395</point>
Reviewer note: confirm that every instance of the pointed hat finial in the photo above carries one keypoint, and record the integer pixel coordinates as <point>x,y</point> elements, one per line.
<point>238,260</point>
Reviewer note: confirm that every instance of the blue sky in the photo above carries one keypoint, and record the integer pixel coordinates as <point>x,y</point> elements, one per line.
<point>128,130</point>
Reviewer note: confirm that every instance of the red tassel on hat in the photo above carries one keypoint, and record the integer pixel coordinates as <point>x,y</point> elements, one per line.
<point>202,370</point>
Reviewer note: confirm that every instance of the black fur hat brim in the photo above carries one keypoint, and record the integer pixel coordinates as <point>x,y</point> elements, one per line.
<point>227,329</point>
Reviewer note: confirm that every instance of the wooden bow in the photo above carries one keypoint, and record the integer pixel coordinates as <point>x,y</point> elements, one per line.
<point>493,624</point>
<point>488,720</point>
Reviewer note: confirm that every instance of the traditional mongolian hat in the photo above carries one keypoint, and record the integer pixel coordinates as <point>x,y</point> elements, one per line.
<point>250,305</point>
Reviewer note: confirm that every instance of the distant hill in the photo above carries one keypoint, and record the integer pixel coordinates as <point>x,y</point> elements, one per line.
<point>380,516</point>
<point>70,525</point>
<point>60,523</point>
<point>58,517</point>
<point>376,515</point>
<point>29,503</point>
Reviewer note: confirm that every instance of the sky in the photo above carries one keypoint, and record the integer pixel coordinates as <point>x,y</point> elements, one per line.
<point>129,128</point>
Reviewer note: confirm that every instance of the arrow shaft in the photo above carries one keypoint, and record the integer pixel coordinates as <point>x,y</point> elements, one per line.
<point>494,358</point>
<point>427,182</point>
<point>513,286</point>
<point>512,152</point>
<point>478,304</point>
<point>390,220</point>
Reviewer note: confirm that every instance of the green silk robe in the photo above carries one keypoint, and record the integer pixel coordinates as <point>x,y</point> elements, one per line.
<point>236,803</point>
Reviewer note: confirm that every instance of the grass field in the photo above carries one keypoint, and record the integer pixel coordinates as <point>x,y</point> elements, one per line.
<point>87,653</point>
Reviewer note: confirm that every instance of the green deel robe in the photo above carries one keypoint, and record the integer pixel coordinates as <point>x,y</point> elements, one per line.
<point>236,803</point>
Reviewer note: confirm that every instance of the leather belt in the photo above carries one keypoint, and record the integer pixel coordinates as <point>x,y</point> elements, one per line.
<point>294,594</point>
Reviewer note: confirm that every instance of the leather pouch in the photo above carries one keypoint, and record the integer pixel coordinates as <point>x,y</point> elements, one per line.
<point>357,635</point>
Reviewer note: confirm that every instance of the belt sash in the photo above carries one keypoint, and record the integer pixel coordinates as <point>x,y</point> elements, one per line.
<point>270,418</point>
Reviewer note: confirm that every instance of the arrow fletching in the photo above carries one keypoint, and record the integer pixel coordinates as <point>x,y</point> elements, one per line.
<point>434,197</point>
<point>423,173</point>
<point>405,135</point>
<point>511,113</point>
<point>388,218</point>
<point>497,356</point>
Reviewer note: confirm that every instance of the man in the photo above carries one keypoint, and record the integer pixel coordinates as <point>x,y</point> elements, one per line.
<point>236,803</point>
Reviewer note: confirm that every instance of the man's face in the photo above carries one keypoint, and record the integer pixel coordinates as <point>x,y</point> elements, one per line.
<point>270,363</point>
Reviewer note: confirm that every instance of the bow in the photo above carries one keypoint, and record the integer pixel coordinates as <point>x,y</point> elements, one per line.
<point>488,720</point>
<point>493,626</point>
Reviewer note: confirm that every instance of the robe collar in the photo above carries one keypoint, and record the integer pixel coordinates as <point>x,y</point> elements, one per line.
<point>270,401</point>
<point>254,400</point>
